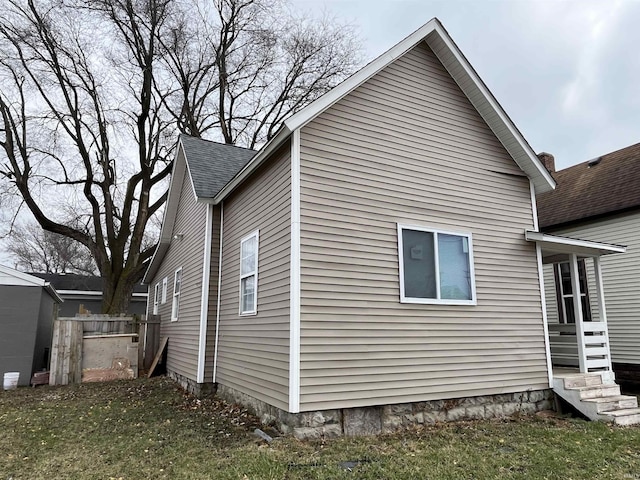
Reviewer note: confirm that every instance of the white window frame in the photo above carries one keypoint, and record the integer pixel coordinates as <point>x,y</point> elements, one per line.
<point>438,300</point>
<point>156,298</point>
<point>165,281</point>
<point>175,304</point>
<point>254,310</point>
<point>564,318</point>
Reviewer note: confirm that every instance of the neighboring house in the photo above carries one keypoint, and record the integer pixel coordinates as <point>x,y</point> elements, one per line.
<point>27,309</point>
<point>599,200</point>
<point>377,257</point>
<point>83,293</point>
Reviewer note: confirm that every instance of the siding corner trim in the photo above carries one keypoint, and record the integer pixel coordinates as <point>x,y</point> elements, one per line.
<point>294,289</point>
<point>204,299</point>
<point>543,299</point>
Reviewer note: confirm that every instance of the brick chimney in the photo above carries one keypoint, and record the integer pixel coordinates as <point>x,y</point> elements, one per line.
<point>548,161</point>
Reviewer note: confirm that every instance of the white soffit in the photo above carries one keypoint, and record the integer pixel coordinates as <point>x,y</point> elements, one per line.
<point>565,245</point>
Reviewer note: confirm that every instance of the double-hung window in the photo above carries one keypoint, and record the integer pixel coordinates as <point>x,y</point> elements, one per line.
<point>164,291</point>
<point>564,292</point>
<point>177,285</point>
<point>249,274</point>
<point>435,266</point>
<point>156,298</point>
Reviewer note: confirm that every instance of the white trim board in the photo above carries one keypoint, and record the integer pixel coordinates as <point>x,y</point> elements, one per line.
<point>543,295</point>
<point>294,300</point>
<point>204,298</point>
<point>435,35</point>
<point>560,244</point>
<point>170,212</point>
<point>11,277</point>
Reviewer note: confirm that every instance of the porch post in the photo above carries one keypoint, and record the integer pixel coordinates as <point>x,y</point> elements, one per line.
<point>577,308</point>
<point>602,310</point>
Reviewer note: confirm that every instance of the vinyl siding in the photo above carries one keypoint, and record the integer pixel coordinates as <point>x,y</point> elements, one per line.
<point>408,147</point>
<point>213,295</point>
<point>19,315</point>
<point>182,353</point>
<point>253,351</point>
<point>621,278</point>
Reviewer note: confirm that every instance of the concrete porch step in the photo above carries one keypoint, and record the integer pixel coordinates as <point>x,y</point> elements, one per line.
<point>583,380</point>
<point>625,416</point>
<point>597,391</point>
<point>614,402</point>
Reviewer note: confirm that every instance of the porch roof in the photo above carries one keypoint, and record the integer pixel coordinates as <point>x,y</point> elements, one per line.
<point>556,248</point>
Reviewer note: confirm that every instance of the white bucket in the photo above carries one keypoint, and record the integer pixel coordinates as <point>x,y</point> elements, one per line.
<point>11,380</point>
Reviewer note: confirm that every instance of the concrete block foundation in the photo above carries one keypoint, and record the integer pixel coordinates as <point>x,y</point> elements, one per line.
<point>390,418</point>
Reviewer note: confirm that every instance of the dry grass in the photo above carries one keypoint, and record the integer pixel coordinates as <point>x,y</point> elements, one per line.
<point>151,429</point>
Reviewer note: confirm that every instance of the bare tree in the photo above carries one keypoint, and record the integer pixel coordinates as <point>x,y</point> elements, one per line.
<point>36,250</point>
<point>93,93</point>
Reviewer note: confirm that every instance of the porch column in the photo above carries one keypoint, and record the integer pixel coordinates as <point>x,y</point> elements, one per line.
<point>602,310</point>
<point>577,308</point>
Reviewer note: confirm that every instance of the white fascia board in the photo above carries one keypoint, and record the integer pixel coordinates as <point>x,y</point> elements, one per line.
<point>170,212</point>
<point>25,277</point>
<point>271,146</point>
<point>458,67</point>
<point>586,247</point>
<point>95,293</point>
<point>315,108</point>
<point>533,167</point>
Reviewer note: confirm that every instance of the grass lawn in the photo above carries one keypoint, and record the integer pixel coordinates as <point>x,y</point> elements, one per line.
<point>151,429</point>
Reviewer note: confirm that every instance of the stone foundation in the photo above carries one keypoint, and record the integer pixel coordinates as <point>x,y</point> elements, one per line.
<point>191,386</point>
<point>390,418</point>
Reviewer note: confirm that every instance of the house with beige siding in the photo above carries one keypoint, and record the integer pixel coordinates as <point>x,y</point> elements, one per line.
<point>599,200</point>
<point>377,263</point>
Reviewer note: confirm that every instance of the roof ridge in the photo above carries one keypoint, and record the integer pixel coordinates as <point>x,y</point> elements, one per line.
<point>191,137</point>
<point>603,156</point>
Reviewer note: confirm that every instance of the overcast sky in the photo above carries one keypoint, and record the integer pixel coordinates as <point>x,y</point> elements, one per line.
<point>566,72</point>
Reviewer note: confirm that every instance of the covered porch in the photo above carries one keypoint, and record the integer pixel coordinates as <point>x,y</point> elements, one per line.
<point>577,334</point>
<point>577,338</point>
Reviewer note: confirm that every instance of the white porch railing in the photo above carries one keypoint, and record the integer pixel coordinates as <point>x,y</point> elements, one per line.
<point>582,344</point>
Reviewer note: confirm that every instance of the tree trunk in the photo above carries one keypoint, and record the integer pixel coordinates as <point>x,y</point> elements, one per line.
<point>116,294</point>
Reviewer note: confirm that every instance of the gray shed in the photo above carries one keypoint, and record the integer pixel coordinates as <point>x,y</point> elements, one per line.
<point>27,309</point>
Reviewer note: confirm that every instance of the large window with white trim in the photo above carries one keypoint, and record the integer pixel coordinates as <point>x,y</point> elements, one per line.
<point>177,286</point>
<point>436,266</point>
<point>249,274</point>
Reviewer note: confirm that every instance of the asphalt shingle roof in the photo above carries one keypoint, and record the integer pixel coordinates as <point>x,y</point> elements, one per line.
<point>213,165</point>
<point>85,283</point>
<point>594,188</point>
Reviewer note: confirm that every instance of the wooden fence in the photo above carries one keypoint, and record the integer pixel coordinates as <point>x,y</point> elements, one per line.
<point>66,353</point>
<point>68,334</point>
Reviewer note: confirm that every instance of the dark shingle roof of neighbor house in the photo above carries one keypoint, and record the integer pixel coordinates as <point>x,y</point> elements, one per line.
<point>604,185</point>
<point>212,165</point>
<point>85,283</point>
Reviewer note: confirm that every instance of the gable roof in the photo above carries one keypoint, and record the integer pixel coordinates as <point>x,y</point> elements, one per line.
<point>605,185</point>
<point>211,164</point>
<point>201,155</point>
<point>9,276</point>
<point>438,39</point>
